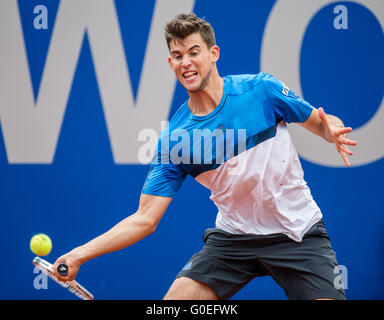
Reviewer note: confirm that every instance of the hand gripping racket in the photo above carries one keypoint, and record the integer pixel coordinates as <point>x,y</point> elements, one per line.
<point>73,286</point>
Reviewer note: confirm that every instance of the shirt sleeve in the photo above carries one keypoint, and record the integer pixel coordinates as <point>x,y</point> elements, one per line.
<point>286,104</point>
<point>164,177</point>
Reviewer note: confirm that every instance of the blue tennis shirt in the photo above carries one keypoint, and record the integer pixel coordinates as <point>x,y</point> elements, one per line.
<point>243,153</point>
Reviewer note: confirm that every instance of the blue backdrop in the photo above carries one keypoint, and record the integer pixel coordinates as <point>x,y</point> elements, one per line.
<point>83,190</point>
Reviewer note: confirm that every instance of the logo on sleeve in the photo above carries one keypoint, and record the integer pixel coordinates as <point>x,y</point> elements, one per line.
<point>285,90</point>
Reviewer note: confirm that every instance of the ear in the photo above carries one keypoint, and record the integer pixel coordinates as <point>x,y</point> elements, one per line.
<point>215,53</point>
<point>170,62</point>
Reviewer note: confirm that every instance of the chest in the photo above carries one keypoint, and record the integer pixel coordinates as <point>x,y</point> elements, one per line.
<point>214,140</point>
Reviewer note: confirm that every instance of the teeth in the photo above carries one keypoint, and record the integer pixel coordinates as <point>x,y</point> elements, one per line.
<point>189,74</point>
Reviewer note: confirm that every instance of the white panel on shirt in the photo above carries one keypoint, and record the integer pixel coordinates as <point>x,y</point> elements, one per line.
<point>262,190</point>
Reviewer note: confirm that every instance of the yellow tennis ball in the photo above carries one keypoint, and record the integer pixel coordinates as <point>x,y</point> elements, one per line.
<point>41,244</point>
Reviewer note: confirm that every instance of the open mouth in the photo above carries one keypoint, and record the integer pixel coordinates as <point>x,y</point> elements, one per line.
<point>189,75</point>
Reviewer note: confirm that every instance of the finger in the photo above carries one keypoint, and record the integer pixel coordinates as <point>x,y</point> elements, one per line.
<point>346,150</point>
<point>57,275</point>
<point>343,155</point>
<point>345,158</point>
<point>349,142</point>
<point>342,131</point>
<point>60,277</point>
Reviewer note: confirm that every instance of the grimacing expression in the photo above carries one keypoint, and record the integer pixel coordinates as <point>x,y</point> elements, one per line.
<point>192,61</point>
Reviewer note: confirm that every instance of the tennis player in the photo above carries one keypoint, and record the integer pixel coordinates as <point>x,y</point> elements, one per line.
<point>267,221</point>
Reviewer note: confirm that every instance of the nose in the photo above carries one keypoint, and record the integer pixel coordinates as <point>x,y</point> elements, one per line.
<point>186,62</point>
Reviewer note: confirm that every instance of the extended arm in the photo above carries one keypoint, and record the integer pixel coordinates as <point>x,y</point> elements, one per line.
<point>130,230</point>
<point>331,129</point>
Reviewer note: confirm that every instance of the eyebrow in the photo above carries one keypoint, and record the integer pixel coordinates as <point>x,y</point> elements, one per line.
<point>191,48</point>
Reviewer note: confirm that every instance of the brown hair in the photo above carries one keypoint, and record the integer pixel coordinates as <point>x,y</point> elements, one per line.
<point>183,25</point>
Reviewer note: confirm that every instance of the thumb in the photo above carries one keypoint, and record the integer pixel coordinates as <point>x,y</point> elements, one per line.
<point>321,112</point>
<point>323,116</point>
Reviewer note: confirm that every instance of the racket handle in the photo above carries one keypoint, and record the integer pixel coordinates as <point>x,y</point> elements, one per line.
<point>62,269</point>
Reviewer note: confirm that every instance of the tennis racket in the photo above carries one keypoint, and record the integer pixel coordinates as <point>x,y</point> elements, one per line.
<point>73,286</point>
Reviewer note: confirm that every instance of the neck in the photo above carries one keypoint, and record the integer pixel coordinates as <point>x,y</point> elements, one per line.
<point>204,101</point>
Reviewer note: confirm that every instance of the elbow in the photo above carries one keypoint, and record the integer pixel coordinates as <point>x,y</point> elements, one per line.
<point>149,224</point>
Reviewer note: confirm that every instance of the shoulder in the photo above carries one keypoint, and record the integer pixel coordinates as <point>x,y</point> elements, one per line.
<point>239,84</point>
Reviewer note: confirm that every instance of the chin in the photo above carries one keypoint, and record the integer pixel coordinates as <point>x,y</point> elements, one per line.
<point>196,87</point>
<point>193,88</point>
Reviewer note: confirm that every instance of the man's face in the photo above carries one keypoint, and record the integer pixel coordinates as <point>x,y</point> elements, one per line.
<point>192,61</point>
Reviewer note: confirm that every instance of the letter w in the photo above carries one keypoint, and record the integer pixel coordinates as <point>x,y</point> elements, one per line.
<point>31,130</point>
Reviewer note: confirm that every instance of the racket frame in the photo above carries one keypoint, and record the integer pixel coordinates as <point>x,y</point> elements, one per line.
<point>72,286</point>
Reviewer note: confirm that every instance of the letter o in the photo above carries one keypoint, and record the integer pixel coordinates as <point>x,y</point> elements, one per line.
<point>280,56</point>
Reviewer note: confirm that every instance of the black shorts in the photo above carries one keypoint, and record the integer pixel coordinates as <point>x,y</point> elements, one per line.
<point>305,270</point>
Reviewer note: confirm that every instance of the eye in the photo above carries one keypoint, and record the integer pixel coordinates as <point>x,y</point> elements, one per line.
<point>194,53</point>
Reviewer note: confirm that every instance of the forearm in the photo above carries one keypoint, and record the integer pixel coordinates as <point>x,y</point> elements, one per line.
<point>122,235</point>
<point>127,232</point>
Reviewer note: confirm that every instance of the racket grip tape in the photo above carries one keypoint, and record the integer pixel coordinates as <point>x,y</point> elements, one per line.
<point>62,269</point>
